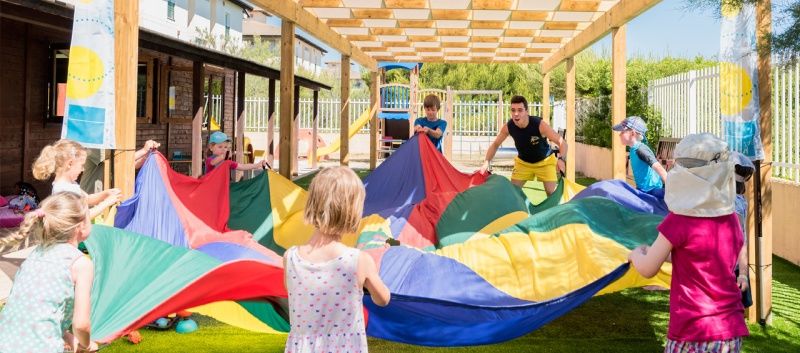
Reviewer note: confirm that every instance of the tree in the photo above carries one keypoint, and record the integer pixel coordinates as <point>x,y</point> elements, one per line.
<point>785,44</point>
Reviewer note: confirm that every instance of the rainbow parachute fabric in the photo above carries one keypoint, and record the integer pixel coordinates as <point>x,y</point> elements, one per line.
<point>478,263</point>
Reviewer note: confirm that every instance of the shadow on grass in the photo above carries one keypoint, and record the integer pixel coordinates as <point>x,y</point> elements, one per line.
<point>783,335</point>
<point>631,321</point>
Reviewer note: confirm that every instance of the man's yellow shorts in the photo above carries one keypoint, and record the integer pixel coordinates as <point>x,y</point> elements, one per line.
<point>544,170</point>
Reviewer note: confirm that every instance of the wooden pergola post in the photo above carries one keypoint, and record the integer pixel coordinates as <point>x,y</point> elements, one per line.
<point>570,173</point>
<point>761,239</point>
<point>269,151</point>
<point>375,101</point>
<point>296,130</point>
<point>312,155</point>
<point>287,98</point>
<point>126,54</point>
<point>240,119</point>
<point>448,117</point>
<point>344,122</point>
<point>198,79</point>
<point>546,98</point>
<point>618,98</point>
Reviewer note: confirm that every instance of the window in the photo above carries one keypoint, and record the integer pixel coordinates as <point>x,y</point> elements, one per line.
<point>227,24</point>
<point>57,85</point>
<point>171,10</point>
<point>145,81</point>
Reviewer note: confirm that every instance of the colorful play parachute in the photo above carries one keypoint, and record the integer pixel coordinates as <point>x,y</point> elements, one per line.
<point>625,195</point>
<point>478,263</point>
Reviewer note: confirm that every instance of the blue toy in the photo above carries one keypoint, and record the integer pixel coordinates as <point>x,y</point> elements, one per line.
<point>186,326</point>
<point>163,323</point>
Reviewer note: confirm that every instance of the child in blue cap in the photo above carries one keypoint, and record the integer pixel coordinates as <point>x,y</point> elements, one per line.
<point>648,173</point>
<point>219,146</point>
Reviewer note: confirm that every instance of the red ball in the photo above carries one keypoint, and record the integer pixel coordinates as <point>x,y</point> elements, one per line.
<point>184,314</point>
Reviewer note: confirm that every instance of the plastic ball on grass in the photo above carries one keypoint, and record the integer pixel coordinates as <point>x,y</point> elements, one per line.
<point>134,337</point>
<point>162,322</point>
<point>186,326</point>
<point>184,314</point>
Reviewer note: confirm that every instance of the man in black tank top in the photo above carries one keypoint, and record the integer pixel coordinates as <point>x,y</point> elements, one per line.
<point>535,160</point>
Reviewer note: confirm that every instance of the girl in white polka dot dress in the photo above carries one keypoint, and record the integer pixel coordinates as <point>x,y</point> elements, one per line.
<point>325,278</point>
<point>53,286</point>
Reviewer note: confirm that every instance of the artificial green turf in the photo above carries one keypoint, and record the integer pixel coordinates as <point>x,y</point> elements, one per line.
<point>633,320</point>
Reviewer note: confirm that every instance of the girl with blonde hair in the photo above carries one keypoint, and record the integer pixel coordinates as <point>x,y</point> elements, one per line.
<point>65,159</point>
<point>325,278</point>
<point>52,289</point>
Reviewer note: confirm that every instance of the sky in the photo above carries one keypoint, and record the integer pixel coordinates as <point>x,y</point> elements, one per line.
<point>667,29</point>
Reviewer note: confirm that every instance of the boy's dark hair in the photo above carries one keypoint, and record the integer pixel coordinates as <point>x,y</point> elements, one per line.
<point>520,99</point>
<point>432,101</point>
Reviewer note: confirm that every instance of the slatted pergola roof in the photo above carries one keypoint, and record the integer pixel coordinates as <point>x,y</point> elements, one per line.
<point>458,30</point>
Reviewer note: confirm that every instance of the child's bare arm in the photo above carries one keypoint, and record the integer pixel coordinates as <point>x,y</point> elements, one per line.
<point>259,165</point>
<point>83,275</point>
<point>649,260</point>
<point>661,171</point>
<point>435,133</point>
<point>107,198</point>
<point>372,281</point>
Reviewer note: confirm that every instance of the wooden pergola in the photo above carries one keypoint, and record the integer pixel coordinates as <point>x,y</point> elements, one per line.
<point>548,32</point>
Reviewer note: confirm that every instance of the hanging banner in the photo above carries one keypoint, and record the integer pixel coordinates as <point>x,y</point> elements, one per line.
<point>739,103</point>
<point>89,116</point>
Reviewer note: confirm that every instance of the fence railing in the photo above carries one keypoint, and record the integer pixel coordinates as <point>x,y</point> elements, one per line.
<point>328,115</point>
<point>690,103</point>
<point>786,122</point>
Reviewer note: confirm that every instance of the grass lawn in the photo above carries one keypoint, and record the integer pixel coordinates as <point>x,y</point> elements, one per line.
<point>633,320</point>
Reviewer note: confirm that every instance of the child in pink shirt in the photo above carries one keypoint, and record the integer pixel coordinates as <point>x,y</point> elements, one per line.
<point>219,146</point>
<point>702,236</point>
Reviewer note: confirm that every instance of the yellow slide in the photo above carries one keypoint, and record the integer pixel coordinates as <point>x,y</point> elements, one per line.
<point>354,127</point>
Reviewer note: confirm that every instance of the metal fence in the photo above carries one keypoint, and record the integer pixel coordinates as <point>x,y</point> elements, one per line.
<point>473,127</point>
<point>690,103</point>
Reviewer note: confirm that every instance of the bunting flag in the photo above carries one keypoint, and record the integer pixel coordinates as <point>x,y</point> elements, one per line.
<point>89,115</point>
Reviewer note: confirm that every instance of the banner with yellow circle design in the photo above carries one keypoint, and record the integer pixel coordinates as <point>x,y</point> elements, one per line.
<point>90,110</point>
<point>738,84</point>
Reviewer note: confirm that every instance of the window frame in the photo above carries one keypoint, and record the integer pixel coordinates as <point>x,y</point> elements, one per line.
<point>171,10</point>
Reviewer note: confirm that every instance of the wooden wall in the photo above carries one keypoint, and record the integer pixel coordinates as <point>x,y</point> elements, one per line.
<point>24,78</point>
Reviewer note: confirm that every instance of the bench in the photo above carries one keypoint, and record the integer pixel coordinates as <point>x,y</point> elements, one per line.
<point>665,150</point>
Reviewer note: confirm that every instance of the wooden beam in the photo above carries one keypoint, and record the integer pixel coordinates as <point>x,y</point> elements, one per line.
<point>312,157</point>
<point>240,118</point>
<point>375,101</point>
<point>26,125</point>
<point>290,11</point>
<point>287,94</point>
<point>126,53</point>
<point>618,98</point>
<point>344,122</point>
<point>270,149</point>
<point>448,117</point>
<point>198,80</point>
<point>296,130</point>
<point>570,119</point>
<point>546,98</point>
<point>620,14</point>
<point>763,232</point>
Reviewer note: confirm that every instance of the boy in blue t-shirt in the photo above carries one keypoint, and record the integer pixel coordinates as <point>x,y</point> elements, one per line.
<point>648,173</point>
<point>431,125</point>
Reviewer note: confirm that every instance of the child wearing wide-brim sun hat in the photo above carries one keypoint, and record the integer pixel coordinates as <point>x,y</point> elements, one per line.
<point>703,238</point>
